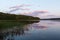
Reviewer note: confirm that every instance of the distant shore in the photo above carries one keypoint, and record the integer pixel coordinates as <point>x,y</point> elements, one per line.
<point>51,19</point>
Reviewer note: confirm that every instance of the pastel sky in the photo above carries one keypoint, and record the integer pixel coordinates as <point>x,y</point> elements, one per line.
<point>39,8</point>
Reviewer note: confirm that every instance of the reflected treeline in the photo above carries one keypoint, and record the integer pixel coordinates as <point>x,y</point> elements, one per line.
<point>8,33</point>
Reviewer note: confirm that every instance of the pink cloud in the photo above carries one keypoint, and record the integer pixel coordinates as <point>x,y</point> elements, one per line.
<point>19,7</point>
<point>41,11</point>
<point>34,13</point>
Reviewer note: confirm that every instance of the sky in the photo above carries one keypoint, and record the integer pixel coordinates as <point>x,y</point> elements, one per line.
<point>37,8</point>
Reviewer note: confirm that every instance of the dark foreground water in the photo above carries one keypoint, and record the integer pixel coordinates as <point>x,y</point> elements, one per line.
<point>43,30</point>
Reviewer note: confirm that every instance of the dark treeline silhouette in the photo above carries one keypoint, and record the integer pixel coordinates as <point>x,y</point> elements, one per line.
<point>8,16</point>
<point>51,19</point>
<point>54,18</point>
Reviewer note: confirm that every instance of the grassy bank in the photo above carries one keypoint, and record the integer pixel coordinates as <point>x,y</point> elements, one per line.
<point>4,24</point>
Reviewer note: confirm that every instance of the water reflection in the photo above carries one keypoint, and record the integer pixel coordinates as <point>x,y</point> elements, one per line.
<point>35,26</point>
<point>9,34</point>
<point>43,30</point>
<point>13,33</point>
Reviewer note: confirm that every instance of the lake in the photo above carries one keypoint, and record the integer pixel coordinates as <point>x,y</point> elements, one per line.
<point>43,30</point>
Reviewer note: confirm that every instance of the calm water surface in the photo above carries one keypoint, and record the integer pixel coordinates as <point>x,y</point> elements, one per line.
<point>43,30</point>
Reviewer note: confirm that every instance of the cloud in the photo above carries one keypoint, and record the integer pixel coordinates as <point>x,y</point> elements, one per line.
<point>19,6</point>
<point>13,10</point>
<point>41,11</point>
<point>38,12</point>
<point>33,13</point>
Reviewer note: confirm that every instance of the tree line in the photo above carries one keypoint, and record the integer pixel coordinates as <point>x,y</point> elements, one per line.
<point>8,16</point>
